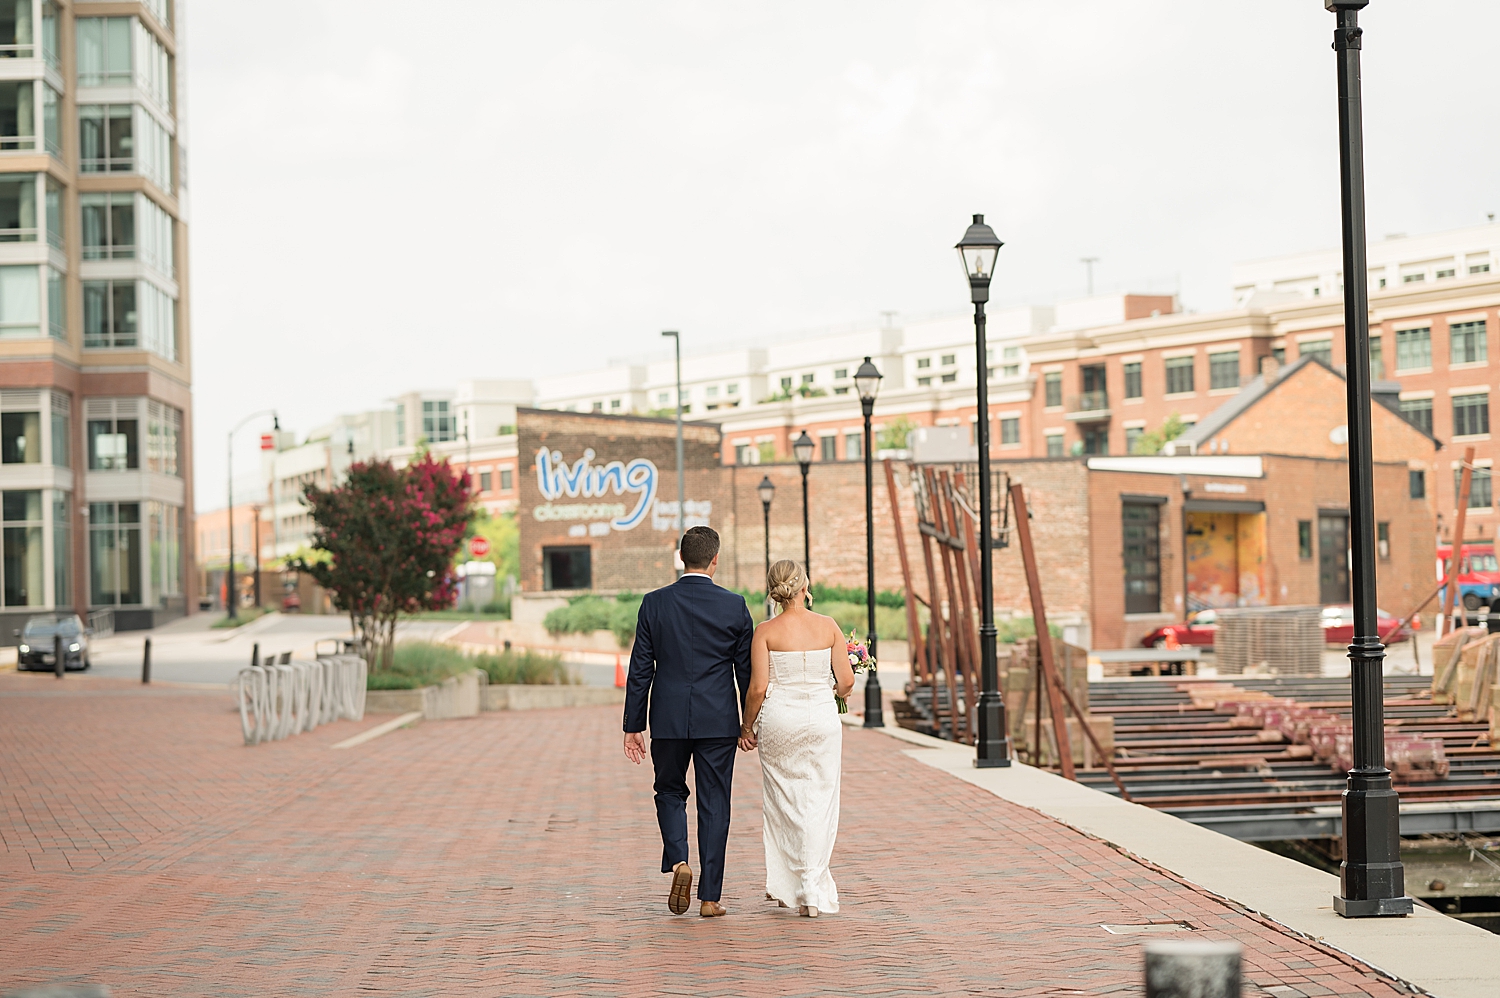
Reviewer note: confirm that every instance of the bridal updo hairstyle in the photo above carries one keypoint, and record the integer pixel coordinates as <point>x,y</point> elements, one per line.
<point>784,581</point>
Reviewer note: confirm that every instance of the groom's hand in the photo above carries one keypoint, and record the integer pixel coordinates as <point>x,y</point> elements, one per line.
<point>747,741</point>
<point>635,746</point>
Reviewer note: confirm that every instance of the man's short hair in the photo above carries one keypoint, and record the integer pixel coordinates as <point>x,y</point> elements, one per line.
<point>699,546</point>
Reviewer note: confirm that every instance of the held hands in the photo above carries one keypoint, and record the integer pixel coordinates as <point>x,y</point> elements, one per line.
<point>635,746</point>
<point>748,740</point>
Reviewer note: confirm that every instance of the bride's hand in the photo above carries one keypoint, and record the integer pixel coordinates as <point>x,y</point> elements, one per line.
<point>747,740</point>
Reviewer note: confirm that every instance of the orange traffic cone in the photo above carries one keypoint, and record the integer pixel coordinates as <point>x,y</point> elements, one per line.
<point>619,672</point>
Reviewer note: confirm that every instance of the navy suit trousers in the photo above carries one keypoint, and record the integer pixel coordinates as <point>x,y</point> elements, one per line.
<point>713,772</point>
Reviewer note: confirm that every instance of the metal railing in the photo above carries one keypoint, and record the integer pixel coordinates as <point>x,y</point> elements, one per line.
<point>1095,401</point>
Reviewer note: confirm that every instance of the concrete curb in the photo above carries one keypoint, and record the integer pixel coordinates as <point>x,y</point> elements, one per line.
<point>385,727</point>
<point>1429,951</point>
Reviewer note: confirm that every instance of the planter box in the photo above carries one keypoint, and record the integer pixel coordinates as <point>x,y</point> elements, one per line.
<point>518,697</point>
<point>457,696</point>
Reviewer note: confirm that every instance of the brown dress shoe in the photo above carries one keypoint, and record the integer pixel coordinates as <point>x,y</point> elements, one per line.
<point>682,889</point>
<point>712,909</point>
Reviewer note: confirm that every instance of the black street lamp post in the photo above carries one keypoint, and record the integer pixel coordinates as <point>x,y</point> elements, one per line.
<point>867,382</point>
<point>1371,878</point>
<point>803,448</point>
<point>230,596</point>
<point>978,250</point>
<point>767,491</point>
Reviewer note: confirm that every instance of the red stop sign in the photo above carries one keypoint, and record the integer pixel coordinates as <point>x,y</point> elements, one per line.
<point>479,547</point>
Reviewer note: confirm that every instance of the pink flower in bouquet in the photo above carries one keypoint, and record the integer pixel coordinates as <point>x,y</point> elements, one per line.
<point>860,660</point>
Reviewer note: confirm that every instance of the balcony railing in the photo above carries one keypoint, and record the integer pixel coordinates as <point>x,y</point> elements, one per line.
<point>1088,405</point>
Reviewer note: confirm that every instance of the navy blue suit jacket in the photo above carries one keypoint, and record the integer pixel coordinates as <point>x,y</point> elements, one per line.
<point>692,644</point>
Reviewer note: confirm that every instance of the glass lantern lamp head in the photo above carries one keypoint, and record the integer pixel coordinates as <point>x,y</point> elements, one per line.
<point>767,491</point>
<point>867,383</point>
<point>803,449</point>
<point>977,250</point>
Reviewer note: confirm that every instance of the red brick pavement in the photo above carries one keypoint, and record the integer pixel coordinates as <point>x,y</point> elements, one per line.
<point>146,850</point>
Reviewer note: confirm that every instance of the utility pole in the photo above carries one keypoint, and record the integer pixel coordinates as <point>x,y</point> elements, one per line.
<point>1088,262</point>
<point>681,485</point>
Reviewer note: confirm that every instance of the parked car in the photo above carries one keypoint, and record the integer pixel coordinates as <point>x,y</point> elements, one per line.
<point>291,603</point>
<point>1478,574</point>
<point>1201,628</point>
<point>37,637</point>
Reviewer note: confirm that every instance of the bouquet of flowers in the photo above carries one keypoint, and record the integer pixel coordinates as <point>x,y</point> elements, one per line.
<point>860,660</point>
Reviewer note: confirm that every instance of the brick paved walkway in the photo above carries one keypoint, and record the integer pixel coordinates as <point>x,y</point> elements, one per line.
<point>146,850</point>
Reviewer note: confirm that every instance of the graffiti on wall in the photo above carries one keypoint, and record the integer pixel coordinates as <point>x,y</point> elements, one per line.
<point>585,480</point>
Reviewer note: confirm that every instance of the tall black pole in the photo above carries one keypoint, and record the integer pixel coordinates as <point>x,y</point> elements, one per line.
<point>874,715</point>
<point>681,484</point>
<point>993,746</point>
<point>765,508</point>
<point>234,610</point>
<point>1371,878</point>
<point>806,548</point>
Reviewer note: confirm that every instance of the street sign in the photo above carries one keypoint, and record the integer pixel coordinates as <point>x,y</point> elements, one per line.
<point>267,441</point>
<point>479,547</point>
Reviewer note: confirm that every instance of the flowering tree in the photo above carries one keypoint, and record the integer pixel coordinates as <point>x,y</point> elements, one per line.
<point>388,537</point>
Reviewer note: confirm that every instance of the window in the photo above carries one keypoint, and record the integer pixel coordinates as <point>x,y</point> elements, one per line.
<point>614,405</point>
<point>733,388</point>
<point>950,377</point>
<point>840,373</point>
<point>1383,541</point>
<point>109,314</point>
<point>154,235</point>
<point>17,114</point>
<point>1466,343</point>
<point>1413,278</point>
<point>106,138</point>
<point>1447,272</point>
<point>1095,439</point>
<point>61,430</point>
<point>21,438</point>
<point>949,359</point>
<point>1382,282</point>
<point>1377,359</point>
<point>52,120</point>
<point>1224,370</point>
<point>1179,375</point>
<point>153,67</point>
<point>923,363</point>
<point>57,304</point>
<point>807,379</point>
<point>566,568</point>
<point>54,214</point>
<point>742,454</point>
<point>1279,353</point>
<point>1054,445</point>
<point>854,446</point>
<point>163,439</point>
<point>108,223</point>
<point>1304,539</point>
<point>163,543</point>
<point>1133,380</point>
<point>50,50</point>
<point>1416,484</point>
<point>1479,268</point>
<point>484,481</point>
<point>663,399</point>
<point>1480,496</point>
<point>1471,414</point>
<point>438,424</point>
<point>400,407</point>
<point>15,30</point>
<point>1418,412</point>
<point>1413,349</point>
<point>828,448</point>
<point>1141,527</point>
<point>18,223</point>
<point>1321,349</point>
<point>62,550</point>
<point>505,480</point>
<point>786,384</point>
<point>1011,368</point>
<point>114,444</point>
<point>115,553</point>
<point>23,571</point>
<point>104,52</point>
<point>1052,387</point>
<point>1133,436</point>
<point>20,305</point>
<point>1010,431</point>
<point>162,10</point>
<point>712,391</point>
<point>924,382</point>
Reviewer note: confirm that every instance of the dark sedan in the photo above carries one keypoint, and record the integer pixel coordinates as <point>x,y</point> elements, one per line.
<point>39,637</point>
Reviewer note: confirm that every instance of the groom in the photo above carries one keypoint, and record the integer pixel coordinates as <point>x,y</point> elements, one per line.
<point>692,645</point>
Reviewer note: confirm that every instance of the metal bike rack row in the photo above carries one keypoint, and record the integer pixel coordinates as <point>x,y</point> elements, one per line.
<point>279,699</point>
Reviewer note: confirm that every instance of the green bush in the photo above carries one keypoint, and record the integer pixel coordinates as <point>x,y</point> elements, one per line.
<point>889,622</point>
<point>585,614</point>
<point>843,594</point>
<point>423,663</point>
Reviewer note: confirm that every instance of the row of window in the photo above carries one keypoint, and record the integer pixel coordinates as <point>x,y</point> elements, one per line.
<point>1471,414</point>
<point>439,424</point>
<point>116,432</point>
<point>1180,376</point>
<point>487,480</point>
<point>1467,344</point>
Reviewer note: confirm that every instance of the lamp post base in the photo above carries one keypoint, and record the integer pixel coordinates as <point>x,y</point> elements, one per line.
<point>1372,880</point>
<point>874,706</point>
<point>1375,908</point>
<point>992,748</point>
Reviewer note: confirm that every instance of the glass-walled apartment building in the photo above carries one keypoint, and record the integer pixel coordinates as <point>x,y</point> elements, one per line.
<point>95,397</point>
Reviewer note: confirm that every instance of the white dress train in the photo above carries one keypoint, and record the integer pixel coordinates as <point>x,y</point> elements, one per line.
<point>800,742</point>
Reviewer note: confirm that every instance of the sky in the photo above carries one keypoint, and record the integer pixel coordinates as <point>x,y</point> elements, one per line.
<point>500,189</point>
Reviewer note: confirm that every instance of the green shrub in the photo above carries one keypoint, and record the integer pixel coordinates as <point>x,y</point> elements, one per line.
<point>889,623</point>
<point>585,614</point>
<point>424,663</point>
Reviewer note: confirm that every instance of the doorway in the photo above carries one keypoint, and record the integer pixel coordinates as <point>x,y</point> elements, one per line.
<point>566,568</point>
<point>1333,557</point>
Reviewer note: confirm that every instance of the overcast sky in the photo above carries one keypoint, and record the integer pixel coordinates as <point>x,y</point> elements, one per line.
<point>393,196</point>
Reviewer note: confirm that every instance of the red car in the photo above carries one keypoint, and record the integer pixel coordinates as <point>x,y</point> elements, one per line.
<point>1338,629</point>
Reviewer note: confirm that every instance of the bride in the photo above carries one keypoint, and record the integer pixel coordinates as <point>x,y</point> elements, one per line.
<point>797,660</point>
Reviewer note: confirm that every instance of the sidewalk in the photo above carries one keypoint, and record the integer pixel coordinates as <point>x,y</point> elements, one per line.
<point>146,850</point>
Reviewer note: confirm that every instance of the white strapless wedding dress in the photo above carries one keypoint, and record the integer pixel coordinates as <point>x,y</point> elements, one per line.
<point>800,741</point>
